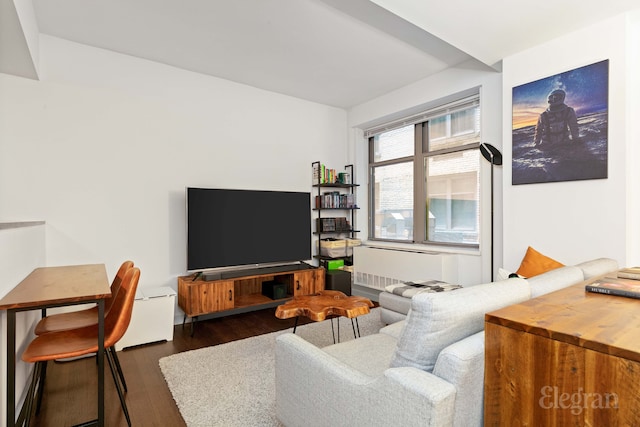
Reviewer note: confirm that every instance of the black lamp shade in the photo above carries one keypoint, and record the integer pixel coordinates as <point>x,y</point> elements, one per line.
<point>491,153</point>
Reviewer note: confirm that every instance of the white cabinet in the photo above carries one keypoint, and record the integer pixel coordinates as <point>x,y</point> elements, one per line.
<point>152,317</point>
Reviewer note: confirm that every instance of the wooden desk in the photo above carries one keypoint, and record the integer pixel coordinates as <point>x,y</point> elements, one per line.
<point>570,357</point>
<point>53,287</point>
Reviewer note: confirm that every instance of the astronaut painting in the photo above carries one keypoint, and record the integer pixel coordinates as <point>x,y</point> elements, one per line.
<point>559,130</point>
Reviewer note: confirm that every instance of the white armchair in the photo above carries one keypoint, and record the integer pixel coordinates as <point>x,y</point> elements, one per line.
<point>317,388</point>
<point>427,371</point>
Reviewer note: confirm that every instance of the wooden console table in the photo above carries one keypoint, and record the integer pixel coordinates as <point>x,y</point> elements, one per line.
<point>53,287</point>
<point>570,357</point>
<point>244,293</point>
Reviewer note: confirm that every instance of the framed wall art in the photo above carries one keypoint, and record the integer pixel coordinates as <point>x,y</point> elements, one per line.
<point>559,127</point>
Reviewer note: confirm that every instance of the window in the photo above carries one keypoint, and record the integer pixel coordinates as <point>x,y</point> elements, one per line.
<point>424,177</point>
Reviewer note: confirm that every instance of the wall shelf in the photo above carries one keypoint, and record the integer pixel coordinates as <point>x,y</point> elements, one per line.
<point>340,197</point>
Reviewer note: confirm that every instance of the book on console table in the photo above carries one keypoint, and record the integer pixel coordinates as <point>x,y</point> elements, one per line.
<point>615,286</point>
<point>630,273</point>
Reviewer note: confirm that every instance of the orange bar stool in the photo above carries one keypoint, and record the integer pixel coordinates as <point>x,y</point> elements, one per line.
<point>88,317</point>
<point>82,318</point>
<point>83,341</point>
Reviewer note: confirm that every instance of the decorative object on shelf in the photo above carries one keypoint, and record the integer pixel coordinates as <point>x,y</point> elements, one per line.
<point>334,264</point>
<point>338,248</point>
<point>493,156</point>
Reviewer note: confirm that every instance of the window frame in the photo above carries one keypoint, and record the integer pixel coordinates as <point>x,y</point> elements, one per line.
<point>419,158</point>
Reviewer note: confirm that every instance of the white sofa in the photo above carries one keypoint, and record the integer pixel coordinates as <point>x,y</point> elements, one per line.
<point>394,308</point>
<point>427,370</point>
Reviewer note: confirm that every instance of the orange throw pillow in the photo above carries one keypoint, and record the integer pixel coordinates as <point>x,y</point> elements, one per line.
<point>535,263</point>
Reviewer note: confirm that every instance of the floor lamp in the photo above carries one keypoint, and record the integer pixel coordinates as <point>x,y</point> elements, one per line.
<point>493,156</point>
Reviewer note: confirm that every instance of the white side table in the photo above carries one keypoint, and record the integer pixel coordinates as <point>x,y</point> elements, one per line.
<point>152,318</point>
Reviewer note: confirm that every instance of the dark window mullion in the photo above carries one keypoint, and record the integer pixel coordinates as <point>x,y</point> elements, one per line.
<point>419,185</point>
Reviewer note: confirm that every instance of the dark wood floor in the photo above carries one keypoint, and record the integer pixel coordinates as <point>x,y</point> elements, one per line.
<point>70,395</point>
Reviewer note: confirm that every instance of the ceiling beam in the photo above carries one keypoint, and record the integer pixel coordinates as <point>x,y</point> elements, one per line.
<point>18,39</point>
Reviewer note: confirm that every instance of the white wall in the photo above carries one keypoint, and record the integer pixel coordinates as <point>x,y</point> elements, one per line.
<point>633,139</point>
<point>474,266</point>
<point>570,221</point>
<point>579,220</point>
<point>22,249</point>
<point>104,145</point>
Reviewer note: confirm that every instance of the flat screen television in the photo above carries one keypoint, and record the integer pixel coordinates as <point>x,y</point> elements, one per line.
<point>241,228</point>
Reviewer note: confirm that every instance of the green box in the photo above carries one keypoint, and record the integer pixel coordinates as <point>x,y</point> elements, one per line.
<point>335,264</point>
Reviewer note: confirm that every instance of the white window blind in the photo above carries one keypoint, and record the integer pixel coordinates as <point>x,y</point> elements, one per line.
<point>440,110</point>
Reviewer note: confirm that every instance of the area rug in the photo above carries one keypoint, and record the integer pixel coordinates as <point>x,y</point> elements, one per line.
<point>233,384</point>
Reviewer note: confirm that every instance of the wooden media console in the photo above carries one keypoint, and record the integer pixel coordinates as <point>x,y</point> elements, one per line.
<point>243,293</point>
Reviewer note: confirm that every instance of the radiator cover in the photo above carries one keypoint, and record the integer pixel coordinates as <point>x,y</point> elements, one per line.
<point>378,267</point>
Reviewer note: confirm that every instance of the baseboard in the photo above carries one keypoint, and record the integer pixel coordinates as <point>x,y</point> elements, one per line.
<point>365,291</point>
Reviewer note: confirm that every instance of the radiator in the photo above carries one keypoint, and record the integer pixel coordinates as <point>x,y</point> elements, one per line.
<point>378,267</point>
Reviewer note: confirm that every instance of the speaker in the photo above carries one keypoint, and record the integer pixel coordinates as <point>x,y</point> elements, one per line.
<point>208,277</point>
<point>274,289</point>
<point>338,280</point>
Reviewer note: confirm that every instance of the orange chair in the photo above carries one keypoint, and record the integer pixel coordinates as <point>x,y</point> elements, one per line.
<point>82,318</point>
<point>83,341</point>
<point>88,317</point>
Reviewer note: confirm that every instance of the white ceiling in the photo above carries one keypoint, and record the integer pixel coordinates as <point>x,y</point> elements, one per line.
<point>335,52</point>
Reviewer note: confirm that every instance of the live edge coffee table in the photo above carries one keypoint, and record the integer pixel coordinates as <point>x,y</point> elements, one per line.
<point>326,305</point>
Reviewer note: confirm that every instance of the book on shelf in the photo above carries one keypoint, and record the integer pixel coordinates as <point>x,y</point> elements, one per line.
<point>324,175</point>
<point>340,224</point>
<point>318,173</point>
<point>615,286</point>
<point>630,273</point>
<point>335,200</point>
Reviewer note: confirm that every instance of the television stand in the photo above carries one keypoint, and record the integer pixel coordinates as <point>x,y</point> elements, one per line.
<point>230,295</point>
